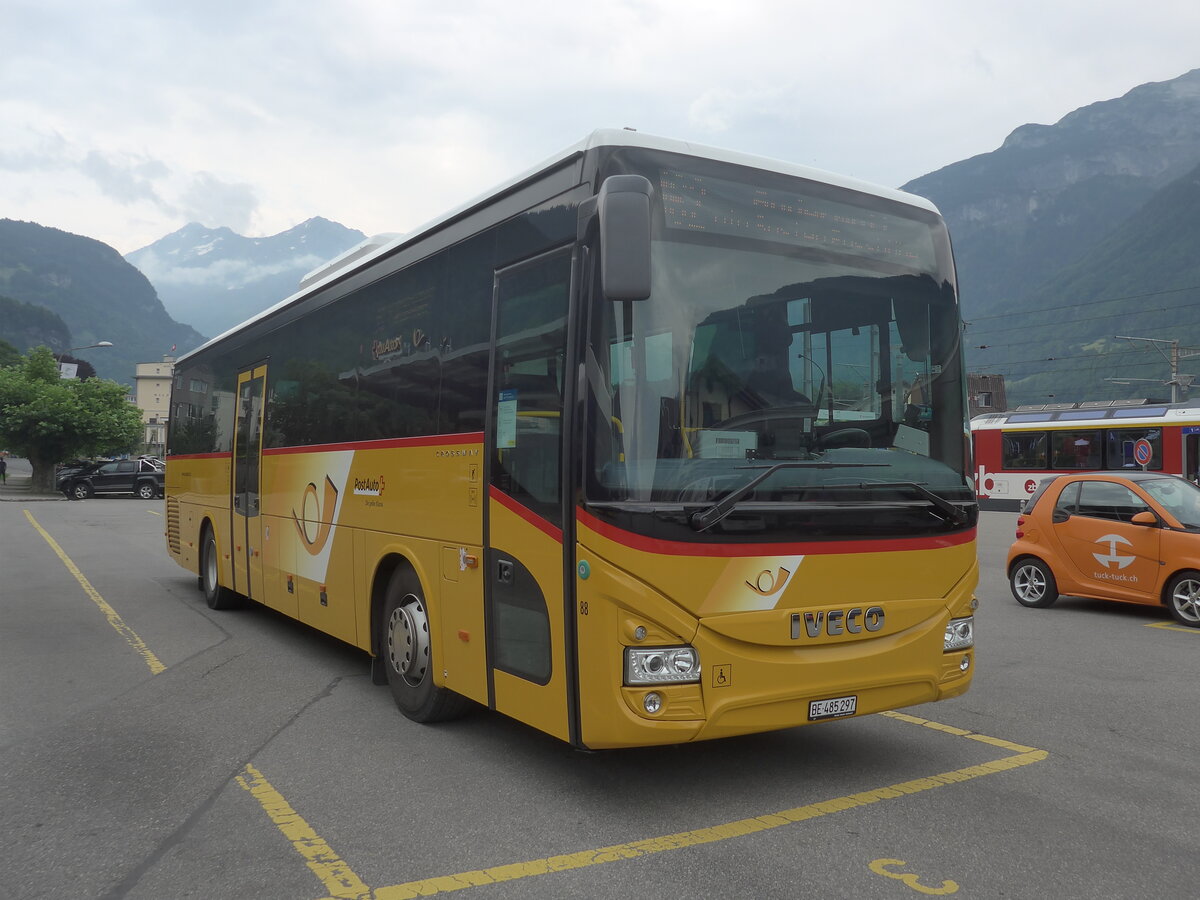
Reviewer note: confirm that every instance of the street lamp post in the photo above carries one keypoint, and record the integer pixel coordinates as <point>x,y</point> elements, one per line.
<point>62,366</point>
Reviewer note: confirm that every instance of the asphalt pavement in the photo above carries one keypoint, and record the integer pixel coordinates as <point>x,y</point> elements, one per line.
<point>153,748</point>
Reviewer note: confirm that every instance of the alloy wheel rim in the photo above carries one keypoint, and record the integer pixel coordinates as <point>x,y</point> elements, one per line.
<point>1186,600</point>
<point>408,640</point>
<point>210,568</point>
<point>1030,583</point>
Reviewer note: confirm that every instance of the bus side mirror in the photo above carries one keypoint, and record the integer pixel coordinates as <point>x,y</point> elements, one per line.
<point>624,207</point>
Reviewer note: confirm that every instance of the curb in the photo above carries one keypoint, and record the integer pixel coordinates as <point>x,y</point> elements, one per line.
<point>18,489</point>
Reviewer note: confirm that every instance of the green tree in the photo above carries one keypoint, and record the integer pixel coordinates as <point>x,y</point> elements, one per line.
<point>9,355</point>
<point>48,419</point>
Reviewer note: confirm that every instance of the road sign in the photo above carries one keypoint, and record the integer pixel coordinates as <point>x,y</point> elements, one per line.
<point>1143,452</point>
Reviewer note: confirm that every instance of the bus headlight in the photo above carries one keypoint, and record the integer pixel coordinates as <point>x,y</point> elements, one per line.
<point>661,665</point>
<point>960,635</point>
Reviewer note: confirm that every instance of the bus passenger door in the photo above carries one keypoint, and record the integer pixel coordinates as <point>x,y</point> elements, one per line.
<point>524,550</point>
<point>247,454</point>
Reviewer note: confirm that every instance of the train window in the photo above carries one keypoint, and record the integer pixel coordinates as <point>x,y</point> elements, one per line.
<point>1077,449</point>
<point>1120,445</point>
<point>1025,450</point>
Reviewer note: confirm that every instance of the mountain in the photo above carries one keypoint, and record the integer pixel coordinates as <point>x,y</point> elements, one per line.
<point>98,296</point>
<point>1141,280</point>
<point>214,279</point>
<point>1068,234</point>
<point>27,325</point>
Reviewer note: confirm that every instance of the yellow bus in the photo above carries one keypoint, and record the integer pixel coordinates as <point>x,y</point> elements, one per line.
<point>653,443</point>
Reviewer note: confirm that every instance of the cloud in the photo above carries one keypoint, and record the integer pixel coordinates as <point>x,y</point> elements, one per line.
<point>126,179</point>
<point>125,121</point>
<point>213,202</point>
<point>225,273</point>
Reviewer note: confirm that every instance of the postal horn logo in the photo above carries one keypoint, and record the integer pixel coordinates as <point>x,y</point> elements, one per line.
<point>768,583</point>
<point>1112,558</point>
<point>314,522</point>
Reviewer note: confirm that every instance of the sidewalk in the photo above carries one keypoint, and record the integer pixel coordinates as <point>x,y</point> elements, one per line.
<point>18,485</point>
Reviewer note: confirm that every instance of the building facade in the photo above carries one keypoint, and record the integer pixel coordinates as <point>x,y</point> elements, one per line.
<point>152,395</point>
<point>985,394</point>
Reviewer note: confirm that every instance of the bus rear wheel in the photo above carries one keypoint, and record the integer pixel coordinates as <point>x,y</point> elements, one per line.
<point>406,646</point>
<point>216,596</point>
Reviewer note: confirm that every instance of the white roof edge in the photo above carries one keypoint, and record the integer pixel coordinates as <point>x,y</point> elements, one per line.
<point>602,137</point>
<point>362,248</point>
<point>624,137</point>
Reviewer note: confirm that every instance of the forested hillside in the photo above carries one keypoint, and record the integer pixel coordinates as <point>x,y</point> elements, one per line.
<point>1069,234</point>
<point>1141,280</point>
<point>91,289</point>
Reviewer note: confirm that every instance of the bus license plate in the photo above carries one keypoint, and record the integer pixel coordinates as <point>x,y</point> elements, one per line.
<point>832,708</point>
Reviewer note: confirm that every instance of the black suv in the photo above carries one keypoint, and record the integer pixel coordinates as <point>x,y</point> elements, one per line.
<point>140,477</point>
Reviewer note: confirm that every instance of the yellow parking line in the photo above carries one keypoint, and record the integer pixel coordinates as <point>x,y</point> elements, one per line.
<point>131,636</point>
<point>1021,756</point>
<point>1167,626</point>
<point>154,513</point>
<point>339,879</point>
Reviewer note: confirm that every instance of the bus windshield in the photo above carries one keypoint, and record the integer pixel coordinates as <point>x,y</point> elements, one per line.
<point>838,370</point>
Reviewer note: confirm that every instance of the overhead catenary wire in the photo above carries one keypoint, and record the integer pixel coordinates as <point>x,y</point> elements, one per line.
<point>1083,303</point>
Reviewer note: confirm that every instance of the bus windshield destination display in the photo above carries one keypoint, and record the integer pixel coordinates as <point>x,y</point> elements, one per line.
<point>700,203</point>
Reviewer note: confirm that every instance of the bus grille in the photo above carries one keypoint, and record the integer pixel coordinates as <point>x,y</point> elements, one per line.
<point>173,525</point>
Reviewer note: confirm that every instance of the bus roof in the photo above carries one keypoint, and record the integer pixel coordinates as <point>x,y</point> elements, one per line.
<point>363,254</point>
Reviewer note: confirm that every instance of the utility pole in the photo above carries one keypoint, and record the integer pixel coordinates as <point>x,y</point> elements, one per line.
<point>1176,381</point>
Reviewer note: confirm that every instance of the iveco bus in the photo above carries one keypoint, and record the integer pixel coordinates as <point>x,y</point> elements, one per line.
<point>653,443</point>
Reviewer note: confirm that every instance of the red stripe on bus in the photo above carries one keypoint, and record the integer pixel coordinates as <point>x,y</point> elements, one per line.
<point>527,514</point>
<point>223,455</point>
<point>806,548</point>
<point>439,440</point>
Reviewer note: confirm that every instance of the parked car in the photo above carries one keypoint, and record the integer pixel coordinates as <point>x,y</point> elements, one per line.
<point>66,470</point>
<point>140,477</point>
<point>1128,536</point>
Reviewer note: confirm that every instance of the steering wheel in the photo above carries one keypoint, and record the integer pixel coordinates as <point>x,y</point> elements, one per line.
<point>764,415</point>
<point>846,437</point>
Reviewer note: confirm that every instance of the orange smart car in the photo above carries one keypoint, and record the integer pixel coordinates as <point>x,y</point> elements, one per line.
<point>1129,536</point>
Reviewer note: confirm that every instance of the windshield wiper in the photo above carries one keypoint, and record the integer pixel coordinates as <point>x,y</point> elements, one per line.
<point>707,518</point>
<point>953,511</point>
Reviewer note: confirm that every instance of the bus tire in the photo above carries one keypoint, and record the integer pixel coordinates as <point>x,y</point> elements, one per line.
<point>216,596</point>
<point>406,649</point>
<point>1183,598</point>
<point>1032,583</point>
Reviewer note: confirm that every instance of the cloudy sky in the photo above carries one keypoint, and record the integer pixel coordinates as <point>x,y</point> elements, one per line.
<point>124,121</point>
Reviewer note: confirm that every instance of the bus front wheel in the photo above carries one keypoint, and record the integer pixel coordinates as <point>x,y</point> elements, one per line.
<point>216,596</point>
<point>406,646</point>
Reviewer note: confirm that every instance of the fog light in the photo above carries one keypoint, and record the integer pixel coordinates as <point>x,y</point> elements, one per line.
<point>965,664</point>
<point>960,635</point>
<point>652,703</point>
